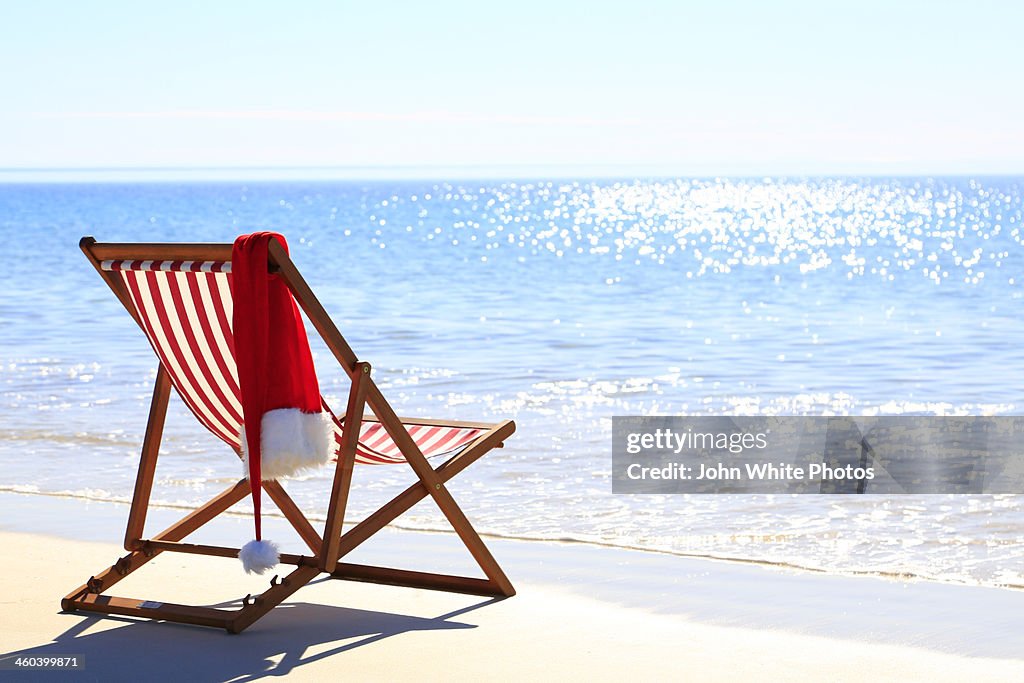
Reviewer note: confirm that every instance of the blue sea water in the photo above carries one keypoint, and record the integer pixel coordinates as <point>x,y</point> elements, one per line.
<point>560,304</point>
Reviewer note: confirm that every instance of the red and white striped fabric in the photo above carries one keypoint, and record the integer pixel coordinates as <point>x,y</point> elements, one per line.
<point>185,310</point>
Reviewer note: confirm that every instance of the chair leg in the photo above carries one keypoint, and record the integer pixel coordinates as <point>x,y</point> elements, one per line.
<point>147,463</point>
<point>329,555</point>
<point>471,539</point>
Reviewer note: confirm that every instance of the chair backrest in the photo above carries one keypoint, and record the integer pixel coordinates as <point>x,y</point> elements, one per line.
<point>185,309</point>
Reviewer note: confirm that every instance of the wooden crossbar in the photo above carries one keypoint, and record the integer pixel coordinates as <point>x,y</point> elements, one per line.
<point>413,579</point>
<point>188,614</point>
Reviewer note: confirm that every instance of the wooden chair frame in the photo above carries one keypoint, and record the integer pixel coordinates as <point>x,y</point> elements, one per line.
<point>327,549</point>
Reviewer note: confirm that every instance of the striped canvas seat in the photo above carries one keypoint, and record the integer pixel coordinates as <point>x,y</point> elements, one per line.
<point>185,309</point>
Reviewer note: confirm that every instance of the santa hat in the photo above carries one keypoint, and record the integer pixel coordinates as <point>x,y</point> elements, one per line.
<point>284,427</point>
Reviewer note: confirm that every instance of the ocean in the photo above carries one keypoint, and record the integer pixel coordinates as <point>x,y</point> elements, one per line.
<point>560,303</point>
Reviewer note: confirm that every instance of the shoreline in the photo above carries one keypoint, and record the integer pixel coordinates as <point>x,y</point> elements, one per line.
<point>273,514</point>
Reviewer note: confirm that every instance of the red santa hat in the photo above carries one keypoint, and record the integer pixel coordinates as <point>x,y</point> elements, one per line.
<point>284,428</point>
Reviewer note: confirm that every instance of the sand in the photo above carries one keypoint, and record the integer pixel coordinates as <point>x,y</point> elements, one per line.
<point>582,613</point>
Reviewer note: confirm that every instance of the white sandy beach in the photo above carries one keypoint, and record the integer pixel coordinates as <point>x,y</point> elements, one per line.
<point>582,612</point>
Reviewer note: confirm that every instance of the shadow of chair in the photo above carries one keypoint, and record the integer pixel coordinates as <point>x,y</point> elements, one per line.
<point>145,650</point>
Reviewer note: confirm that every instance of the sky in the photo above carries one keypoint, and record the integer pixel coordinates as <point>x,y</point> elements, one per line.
<point>727,87</point>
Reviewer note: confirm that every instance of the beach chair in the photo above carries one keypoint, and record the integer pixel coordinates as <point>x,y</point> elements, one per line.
<point>180,296</point>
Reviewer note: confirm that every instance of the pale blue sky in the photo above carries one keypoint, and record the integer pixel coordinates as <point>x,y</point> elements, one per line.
<point>686,87</point>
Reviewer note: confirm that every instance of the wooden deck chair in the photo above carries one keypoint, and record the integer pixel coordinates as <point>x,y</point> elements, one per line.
<point>179,295</point>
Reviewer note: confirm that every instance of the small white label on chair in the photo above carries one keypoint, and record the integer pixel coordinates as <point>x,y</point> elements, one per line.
<point>149,604</point>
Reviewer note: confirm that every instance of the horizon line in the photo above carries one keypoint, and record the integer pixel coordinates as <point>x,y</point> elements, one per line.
<point>314,172</point>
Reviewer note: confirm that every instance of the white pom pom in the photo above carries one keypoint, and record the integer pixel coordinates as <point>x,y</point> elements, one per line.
<point>259,556</point>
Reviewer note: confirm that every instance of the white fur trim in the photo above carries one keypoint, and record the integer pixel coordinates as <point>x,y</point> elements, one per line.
<point>259,556</point>
<point>291,441</point>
